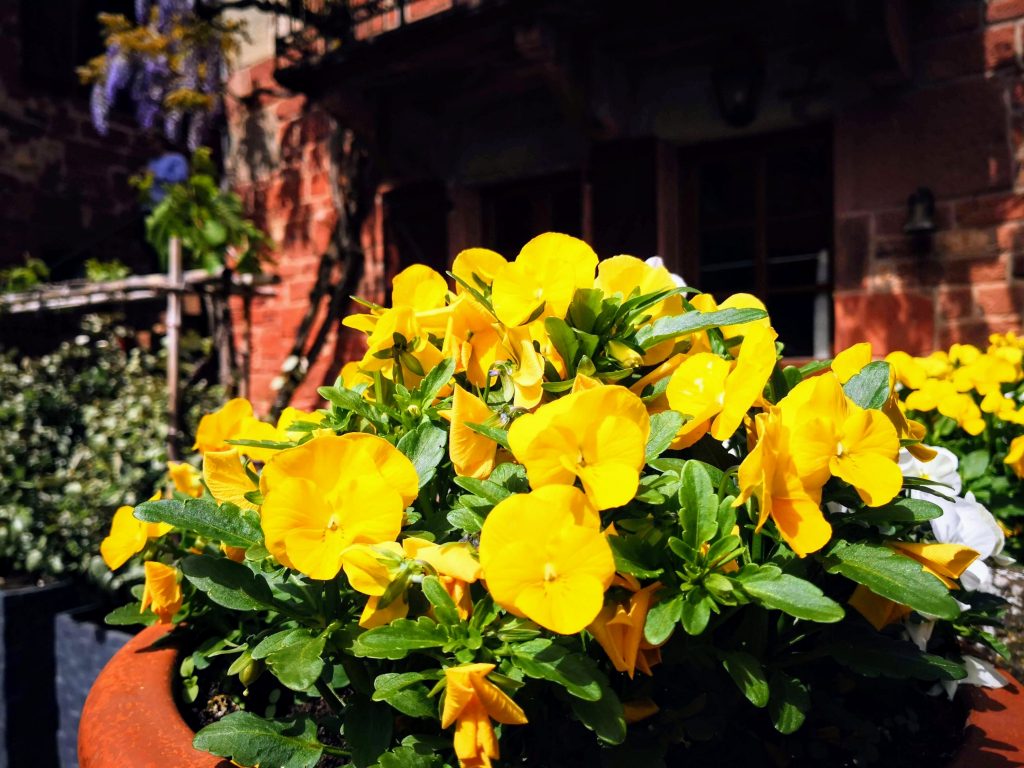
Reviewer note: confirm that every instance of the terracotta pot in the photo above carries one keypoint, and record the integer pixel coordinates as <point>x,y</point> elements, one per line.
<point>131,718</point>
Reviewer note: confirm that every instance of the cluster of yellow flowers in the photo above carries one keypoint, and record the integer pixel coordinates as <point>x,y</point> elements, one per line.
<point>548,377</point>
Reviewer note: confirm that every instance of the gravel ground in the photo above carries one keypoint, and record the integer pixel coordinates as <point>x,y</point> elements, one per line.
<point>1009,582</point>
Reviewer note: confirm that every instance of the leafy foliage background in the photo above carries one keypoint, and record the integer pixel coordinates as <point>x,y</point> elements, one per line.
<point>82,432</point>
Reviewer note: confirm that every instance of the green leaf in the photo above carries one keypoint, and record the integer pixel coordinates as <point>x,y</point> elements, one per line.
<point>795,596</point>
<point>466,520</point>
<point>604,716</point>
<point>545,660</point>
<point>425,448</point>
<point>500,436</point>
<point>130,614</point>
<point>564,340</point>
<point>485,489</point>
<point>664,427</point>
<point>408,757</point>
<point>699,502</point>
<point>974,464</point>
<point>891,575</point>
<point>228,583</point>
<point>397,639</point>
<point>632,556</point>
<point>444,607</point>
<point>901,511</point>
<point>250,740</point>
<point>870,387</point>
<point>748,674</point>
<point>368,728</point>
<point>662,619</point>
<point>203,516</point>
<point>788,703</point>
<point>584,309</point>
<point>665,328</point>
<point>405,692</point>
<point>298,662</point>
<point>877,655</point>
<point>434,381</point>
<point>215,233</point>
<point>347,400</point>
<point>696,611</point>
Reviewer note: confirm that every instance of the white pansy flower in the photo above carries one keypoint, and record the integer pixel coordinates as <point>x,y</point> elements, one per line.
<point>979,672</point>
<point>941,469</point>
<point>965,521</point>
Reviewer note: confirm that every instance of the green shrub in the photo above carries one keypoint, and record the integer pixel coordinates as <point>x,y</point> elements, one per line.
<point>83,431</point>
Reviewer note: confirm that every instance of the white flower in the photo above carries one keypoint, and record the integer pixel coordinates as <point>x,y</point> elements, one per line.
<point>941,469</point>
<point>965,521</point>
<point>979,672</point>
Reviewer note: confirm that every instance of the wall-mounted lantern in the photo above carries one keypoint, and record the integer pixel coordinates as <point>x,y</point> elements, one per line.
<point>737,82</point>
<point>920,212</point>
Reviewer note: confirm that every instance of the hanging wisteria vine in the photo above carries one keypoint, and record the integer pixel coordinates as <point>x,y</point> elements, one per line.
<point>170,62</point>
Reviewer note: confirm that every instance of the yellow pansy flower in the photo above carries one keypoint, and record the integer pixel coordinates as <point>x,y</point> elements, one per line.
<point>473,339</point>
<point>946,562</point>
<point>477,267</point>
<point>215,429</point>
<point>770,474</point>
<point>472,454</point>
<point>186,478</point>
<point>830,435</point>
<point>325,495</point>
<point>420,288</point>
<point>909,371</point>
<point>541,562</point>
<point>471,702</point>
<point>717,393</point>
<point>162,592</point>
<point>225,476</point>
<point>399,346</point>
<point>128,536</point>
<point>372,569</point>
<point>543,279</point>
<point>1015,456</point>
<point>562,441</point>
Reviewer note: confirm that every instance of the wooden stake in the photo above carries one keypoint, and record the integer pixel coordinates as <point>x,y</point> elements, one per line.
<point>173,346</point>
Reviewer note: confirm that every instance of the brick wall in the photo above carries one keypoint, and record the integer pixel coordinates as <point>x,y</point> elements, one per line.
<point>957,130</point>
<point>63,188</point>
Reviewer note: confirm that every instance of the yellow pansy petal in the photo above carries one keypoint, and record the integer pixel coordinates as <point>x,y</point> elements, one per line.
<point>127,538</point>
<point>948,560</point>
<point>419,287</point>
<point>368,570</point>
<point>161,592</point>
<point>850,361</point>
<point>472,454</point>
<point>737,301</point>
<point>746,381</point>
<point>496,703</point>
<point>226,478</point>
<point>477,267</point>
<point>565,606</point>
<point>293,503</point>
<point>251,428</point>
<point>876,479</point>
<point>609,485</point>
<point>552,251</point>
<point>216,428</point>
<point>518,296</point>
<point>375,616</point>
<point>801,524</point>
<point>879,611</point>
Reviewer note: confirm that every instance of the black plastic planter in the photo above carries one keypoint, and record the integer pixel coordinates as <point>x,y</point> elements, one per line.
<point>83,645</point>
<point>28,706</point>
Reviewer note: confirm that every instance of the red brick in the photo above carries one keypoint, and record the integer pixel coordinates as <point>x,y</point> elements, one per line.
<point>420,9</point>
<point>955,302</point>
<point>963,272</point>
<point>888,320</point>
<point>1001,10</point>
<point>1010,237</point>
<point>975,331</point>
<point>997,299</point>
<point>965,243</point>
<point>990,210</point>
<point>1000,46</point>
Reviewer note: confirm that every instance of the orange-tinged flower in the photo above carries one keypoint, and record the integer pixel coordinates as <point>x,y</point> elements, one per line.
<point>186,478</point>
<point>716,393</point>
<point>619,628</point>
<point>162,592</point>
<point>472,454</point>
<point>541,562</point>
<point>562,441</point>
<point>128,536</point>
<point>946,562</point>
<point>1015,456</point>
<point>328,494</point>
<point>471,702</point>
<point>543,279</point>
<point>215,429</point>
